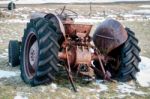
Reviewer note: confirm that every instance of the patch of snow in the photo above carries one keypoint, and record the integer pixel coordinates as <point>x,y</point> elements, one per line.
<point>54,86</point>
<point>96,90</point>
<point>6,50</point>
<point>73,96</point>
<point>64,94</point>
<point>100,87</point>
<point>142,11</point>
<point>143,76</point>
<point>95,20</point>
<point>99,81</point>
<point>120,96</point>
<point>103,87</point>
<point>20,96</point>
<point>4,55</point>
<point>1,41</point>
<point>7,74</point>
<point>125,88</point>
<point>111,16</point>
<point>97,96</point>
<point>144,6</point>
<point>88,20</point>
<point>25,16</point>
<point>14,21</point>
<point>43,89</point>
<point>134,17</point>
<point>23,9</point>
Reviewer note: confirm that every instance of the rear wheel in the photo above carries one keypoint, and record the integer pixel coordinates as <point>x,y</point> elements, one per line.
<point>125,61</point>
<point>14,53</point>
<point>129,59</point>
<point>39,56</point>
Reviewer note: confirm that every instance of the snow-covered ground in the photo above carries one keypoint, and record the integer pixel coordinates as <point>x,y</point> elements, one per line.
<point>82,19</point>
<point>89,20</point>
<point>22,14</point>
<point>142,77</point>
<point>7,74</point>
<point>126,88</point>
<point>142,11</point>
<point>144,6</point>
<point>4,54</point>
<point>20,96</point>
<point>15,21</point>
<point>122,89</point>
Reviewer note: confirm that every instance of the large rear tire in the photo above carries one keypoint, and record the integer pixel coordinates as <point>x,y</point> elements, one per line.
<point>124,65</point>
<point>129,58</point>
<point>39,54</point>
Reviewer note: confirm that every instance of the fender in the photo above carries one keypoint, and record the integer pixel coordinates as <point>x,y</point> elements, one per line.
<point>109,35</point>
<point>57,22</point>
<point>50,16</point>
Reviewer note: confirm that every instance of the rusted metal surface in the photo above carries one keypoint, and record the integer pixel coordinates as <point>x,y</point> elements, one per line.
<point>106,74</point>
<point>68,69</point>
<point>78,55</point>
<point>71,29</point>
<point>71,55</point>
<point>109,35</point>
<point>76,47</point>
<point>83,55</point>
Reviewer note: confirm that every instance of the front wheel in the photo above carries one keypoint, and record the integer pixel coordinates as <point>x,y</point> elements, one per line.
<point>14,53</point>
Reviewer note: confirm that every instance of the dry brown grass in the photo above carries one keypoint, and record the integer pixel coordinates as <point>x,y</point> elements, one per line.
<point>10,87</point>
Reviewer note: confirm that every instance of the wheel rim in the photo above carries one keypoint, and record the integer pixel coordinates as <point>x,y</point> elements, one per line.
<point>31,51</point>
<point>33,54</point>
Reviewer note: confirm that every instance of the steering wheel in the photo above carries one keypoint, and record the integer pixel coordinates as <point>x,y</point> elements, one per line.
<point>66,13</point>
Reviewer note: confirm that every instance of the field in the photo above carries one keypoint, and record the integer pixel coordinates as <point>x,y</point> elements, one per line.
<point>12,24</point>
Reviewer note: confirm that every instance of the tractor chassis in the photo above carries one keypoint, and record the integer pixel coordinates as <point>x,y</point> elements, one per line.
<point>79,54</point>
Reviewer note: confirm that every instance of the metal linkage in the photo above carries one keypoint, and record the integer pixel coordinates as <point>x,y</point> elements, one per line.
<point>68,70</point>
<point>106,74</point>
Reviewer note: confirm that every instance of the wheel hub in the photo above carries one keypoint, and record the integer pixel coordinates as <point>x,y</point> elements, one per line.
<point>33,54</point>
<point>31,51</point>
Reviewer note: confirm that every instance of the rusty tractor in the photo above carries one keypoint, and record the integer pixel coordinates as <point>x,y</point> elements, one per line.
<point>52,41</point>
